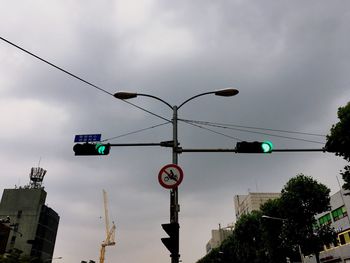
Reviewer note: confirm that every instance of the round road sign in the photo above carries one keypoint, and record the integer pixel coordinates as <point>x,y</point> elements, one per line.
<point>170,176</point>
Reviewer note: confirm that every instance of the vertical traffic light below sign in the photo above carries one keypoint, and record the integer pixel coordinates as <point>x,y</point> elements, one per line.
<point>91,149</point>
<point>254,147</point>
<point>172,242</point>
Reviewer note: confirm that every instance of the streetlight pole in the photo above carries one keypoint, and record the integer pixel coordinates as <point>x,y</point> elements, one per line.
<point>174,203</point>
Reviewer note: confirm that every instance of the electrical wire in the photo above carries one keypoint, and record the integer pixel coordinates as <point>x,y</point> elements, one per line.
<point>134,132</point>
<point>243,130</point>
<point>78,78</point>
<point>225,125</point>
<point>57,67</point>
<point>207,129</point>
<point>191,122</point>
<point>143,109</point>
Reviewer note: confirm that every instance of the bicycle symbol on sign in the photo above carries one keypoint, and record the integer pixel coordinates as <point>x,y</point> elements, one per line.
<point>170,176</point>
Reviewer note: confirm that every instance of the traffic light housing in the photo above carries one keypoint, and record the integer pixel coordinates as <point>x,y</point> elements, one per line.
<point>254,147</point>
<point>172,242</point>
<point>91,149</point>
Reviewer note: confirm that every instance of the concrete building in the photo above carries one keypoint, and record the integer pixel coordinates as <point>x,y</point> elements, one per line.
<point>33,224</point>
<point>245,204</point>
<point>218,236</point>
<point>338,218</point>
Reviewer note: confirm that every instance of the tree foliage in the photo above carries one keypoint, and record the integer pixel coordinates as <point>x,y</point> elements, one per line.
<point>249,239</point>
<point>301,200</point>
<point>272,231</point>
<point>338,141</point>
<point>280,227</point>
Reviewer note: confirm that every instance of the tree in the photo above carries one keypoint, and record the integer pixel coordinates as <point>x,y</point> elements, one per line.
<point>212,257</point>
<point>302,199</point>
<point>258,239</point>
<point>272,231</point>
<point>245,245</point>
<point>250,246</point>
<point>338,141</point>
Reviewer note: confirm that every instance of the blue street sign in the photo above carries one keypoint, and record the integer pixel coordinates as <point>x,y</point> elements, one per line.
<point>87,138</point>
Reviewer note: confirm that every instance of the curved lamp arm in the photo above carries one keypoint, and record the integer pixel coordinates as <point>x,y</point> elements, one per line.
<point>123,95</point>
<point>222,92</point>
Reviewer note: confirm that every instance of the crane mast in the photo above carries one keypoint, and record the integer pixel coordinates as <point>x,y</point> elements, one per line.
<point>105,203</point>
<point>110,232</point>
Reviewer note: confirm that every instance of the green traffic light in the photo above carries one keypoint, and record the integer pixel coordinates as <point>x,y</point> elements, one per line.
<point>267,146</point>
<point>100,148</point>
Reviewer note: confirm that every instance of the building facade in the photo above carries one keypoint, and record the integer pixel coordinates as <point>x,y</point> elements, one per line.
<point>33,224</point>
<point>217,237</point>
<point>245,204</point>
<point>4,236</point>
<point>338,218</point>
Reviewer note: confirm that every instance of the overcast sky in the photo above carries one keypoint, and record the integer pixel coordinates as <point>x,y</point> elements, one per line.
<point>290,61</point>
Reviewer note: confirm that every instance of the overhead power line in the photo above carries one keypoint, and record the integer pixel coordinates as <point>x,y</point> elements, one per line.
<point>225,125</point>
<point>210,130</point>
<point>199,123</point>
<point>134,132</point>
<point>77,77</point>
<point>143,109</point>
<point>57,67</point>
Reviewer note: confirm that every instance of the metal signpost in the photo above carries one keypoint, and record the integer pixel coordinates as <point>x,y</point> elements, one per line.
<point>174,203</point>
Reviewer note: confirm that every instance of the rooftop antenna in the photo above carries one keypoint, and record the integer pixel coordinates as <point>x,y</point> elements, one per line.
<point>37,176</point>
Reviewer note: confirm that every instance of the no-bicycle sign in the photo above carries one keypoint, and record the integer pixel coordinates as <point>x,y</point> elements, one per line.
<point>170,176</point>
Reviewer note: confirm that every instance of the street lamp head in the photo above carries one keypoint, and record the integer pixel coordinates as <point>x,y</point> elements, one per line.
<point>226,92</point>
<point>124,95</point>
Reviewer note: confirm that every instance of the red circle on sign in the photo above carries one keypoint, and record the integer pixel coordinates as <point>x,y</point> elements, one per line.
<point>170,176</point>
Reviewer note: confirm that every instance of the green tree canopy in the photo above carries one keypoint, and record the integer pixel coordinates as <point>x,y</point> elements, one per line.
<point>272,231</point>
<point>301,200</point>
<point>250,246</point>
<point>338,141</point>
<point>280,227</point>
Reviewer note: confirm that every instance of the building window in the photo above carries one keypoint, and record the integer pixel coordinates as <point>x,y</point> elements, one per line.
<point>339,213</point>
<point>13,239</point>
<point>19,213</point>
<point>326,219</point>
<point>344,238</point>
<point>15,227</point>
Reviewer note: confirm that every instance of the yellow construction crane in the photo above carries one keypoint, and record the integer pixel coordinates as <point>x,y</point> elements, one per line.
<point>110,232</point>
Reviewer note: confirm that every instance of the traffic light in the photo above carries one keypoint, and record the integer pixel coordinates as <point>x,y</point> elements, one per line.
<point>254,147</point>
<point>172,242</point>
<point>91,149</point>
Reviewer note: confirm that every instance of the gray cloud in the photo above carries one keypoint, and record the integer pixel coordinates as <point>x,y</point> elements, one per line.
<point>289,60</point>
